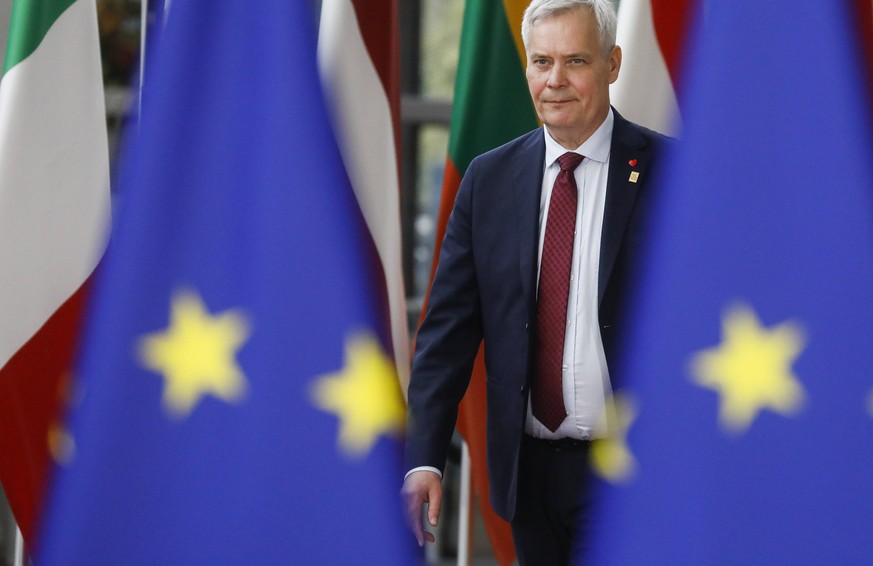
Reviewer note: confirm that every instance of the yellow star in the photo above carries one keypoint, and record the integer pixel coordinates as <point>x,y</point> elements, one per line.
<point>196,354</point>
<point>61,444</point>
<point>751,369</point>
<point>365,395</point>
<point>610,456</point>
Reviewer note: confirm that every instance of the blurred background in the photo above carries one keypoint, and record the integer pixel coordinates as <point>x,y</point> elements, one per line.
<point>429,42</point>
<point>440,131</point>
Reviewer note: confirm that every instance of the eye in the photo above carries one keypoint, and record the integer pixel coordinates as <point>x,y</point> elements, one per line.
<point>577,61</point>
<point>540,61</point>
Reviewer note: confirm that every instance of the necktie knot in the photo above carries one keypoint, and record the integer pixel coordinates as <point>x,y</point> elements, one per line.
<point>569,161</point>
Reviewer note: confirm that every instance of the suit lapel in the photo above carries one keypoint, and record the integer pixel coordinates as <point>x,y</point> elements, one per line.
<point>629,159</point>
<point>629,153</point>
<point>527,180</point>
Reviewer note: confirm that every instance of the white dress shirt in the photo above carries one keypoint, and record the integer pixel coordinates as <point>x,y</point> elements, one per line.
<point>585,376</point>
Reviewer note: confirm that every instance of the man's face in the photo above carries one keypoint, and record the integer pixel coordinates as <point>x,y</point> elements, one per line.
<point>568,75</point>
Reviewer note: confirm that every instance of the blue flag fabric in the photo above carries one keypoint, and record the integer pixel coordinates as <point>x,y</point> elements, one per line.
<point>237,404</point>
<point>749,373</point>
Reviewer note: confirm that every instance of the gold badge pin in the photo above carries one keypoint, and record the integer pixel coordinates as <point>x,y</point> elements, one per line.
<point>634,176</point>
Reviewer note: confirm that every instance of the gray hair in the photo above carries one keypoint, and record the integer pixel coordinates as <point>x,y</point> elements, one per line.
<point>603,10</point>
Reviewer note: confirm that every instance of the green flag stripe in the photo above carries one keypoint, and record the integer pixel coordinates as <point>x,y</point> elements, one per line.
<point>29,22</point>
<point>492,104</point>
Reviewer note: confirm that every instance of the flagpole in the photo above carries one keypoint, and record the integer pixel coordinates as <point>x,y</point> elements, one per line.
<point>18,558</point>
<point>464,507</point>
<point>144,26</point>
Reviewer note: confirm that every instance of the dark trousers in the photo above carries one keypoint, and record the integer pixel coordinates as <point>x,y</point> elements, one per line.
<point>553,502</point>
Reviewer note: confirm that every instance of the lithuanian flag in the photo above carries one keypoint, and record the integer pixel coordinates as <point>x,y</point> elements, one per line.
<point>491,107</point>
<point>54,211</point>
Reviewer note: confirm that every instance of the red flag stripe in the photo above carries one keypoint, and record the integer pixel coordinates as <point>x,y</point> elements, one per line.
<point>672,19</point>
<point>379,25</point>
<point>31,394</point>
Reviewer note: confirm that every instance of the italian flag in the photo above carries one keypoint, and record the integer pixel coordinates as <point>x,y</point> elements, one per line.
<point>54,212</point>
<point>652,35</point>
<point>492,105</point>
<point>359,65</point>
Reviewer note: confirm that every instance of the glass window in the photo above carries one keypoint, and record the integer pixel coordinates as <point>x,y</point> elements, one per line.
<point>433,140</point>
<point>440,42</point>
<point>426,125</point>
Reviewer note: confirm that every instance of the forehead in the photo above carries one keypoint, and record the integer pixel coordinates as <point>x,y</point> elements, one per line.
<point>568,31</point>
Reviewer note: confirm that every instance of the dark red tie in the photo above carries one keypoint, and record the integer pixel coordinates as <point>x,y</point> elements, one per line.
<point>547,392</point>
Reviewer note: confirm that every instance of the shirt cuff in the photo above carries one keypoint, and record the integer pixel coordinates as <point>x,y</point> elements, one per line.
<point>423,469</point>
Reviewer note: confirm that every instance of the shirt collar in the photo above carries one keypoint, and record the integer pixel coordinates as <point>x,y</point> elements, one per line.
<point>596,147</point>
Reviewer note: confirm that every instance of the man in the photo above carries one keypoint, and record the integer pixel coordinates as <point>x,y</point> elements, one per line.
<point>535,261</point>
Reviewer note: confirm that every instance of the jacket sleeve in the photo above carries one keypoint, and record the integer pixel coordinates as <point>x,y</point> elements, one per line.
<point>447,341</point>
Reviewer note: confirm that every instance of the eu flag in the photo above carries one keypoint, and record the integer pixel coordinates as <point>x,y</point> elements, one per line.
<point>236,402</point>
<point>746,424</point>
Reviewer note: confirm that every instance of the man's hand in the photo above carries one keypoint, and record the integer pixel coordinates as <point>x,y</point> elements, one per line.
<point>419,488</point>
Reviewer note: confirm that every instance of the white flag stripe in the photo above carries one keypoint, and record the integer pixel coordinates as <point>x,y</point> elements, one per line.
<point>363,124</point>
<point>54,175</point>
<point>644,92</point>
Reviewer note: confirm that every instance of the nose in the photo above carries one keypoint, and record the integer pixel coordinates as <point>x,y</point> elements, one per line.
<point>557,77</point>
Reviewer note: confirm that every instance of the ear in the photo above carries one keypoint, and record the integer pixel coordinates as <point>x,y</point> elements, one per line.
<point>614,61</point>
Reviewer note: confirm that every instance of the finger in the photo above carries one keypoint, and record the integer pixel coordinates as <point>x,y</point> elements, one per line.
<point>420,534</point>
<point>413,516</point>
<point>435,499</point>
<point>414,504</point>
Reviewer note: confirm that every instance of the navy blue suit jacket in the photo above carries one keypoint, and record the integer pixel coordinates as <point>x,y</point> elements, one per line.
<point>485,289</point>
